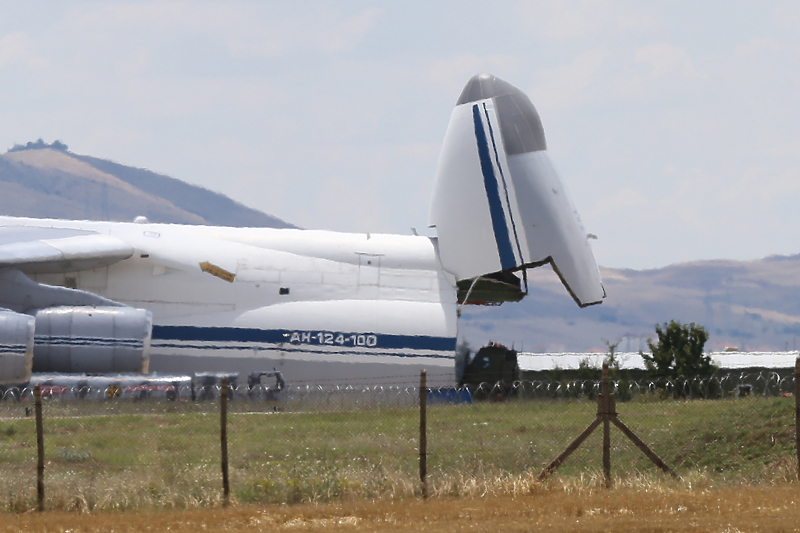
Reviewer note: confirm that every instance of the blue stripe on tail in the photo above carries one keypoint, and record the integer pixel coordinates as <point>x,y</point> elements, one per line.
<point>505,186</point>
<point>499,224</point>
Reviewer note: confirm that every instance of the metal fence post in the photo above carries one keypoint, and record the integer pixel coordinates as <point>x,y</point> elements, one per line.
<point>606,427</point>
<point>223,438</point>
<point>423,433</point>
<point>37,395</point>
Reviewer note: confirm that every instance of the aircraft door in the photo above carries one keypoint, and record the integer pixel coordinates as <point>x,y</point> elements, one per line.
<point>369,269</point>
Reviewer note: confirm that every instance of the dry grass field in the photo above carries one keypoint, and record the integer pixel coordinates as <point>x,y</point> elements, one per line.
<point>119,457</point>
<point>147,466</point>
<point>561,508</point>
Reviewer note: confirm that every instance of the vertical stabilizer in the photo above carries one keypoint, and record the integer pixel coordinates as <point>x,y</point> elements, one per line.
<point>498,204</point>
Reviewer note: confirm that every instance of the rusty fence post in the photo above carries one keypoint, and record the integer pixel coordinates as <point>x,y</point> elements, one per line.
<point>797,412</point>
<point>423,433</point>
<point>607,414</point>
<point>37,395</point>
<point>223,439</point>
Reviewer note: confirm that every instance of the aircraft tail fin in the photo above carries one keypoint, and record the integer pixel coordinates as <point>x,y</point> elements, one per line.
<point>498,203</point>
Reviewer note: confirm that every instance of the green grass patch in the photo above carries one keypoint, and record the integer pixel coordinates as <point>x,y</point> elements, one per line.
<point>122,455</point>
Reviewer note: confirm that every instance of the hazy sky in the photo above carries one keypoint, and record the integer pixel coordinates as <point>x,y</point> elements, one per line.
<point>675,124</point>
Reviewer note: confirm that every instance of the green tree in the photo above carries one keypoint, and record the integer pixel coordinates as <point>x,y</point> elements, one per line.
<point>614,364</point>
<point>678,351</point>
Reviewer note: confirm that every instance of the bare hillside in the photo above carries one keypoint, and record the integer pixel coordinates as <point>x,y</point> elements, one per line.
<point>48,181</point>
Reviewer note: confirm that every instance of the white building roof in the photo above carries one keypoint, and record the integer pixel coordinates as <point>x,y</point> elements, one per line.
<point>732,360</point>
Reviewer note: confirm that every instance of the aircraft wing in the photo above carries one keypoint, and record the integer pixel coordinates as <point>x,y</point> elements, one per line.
<point>41,249</point>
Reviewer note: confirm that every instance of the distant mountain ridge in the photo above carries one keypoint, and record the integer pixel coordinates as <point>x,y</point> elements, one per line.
<point>47,181</point>
<point>751,305</point>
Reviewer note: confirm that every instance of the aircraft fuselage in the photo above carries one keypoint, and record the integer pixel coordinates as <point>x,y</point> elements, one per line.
<point>306,302</point>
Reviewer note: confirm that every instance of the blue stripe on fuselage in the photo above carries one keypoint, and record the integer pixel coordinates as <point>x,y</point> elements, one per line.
<point>499,224</point>
<point>284,336</point>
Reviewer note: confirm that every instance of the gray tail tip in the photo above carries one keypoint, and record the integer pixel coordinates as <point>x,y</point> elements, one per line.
<point>483,86</point>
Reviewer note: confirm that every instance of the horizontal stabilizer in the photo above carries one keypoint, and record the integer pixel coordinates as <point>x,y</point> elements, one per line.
<point>498,203</point>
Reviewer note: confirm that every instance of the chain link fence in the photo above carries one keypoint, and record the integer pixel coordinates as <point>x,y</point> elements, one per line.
<point>122,447</point>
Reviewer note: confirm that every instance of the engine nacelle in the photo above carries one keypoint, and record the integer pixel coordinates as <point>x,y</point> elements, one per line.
<point>92,339</point>
<point>16,347</point>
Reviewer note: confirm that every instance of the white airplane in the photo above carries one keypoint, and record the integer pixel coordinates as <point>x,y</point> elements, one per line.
<point>108,297</point>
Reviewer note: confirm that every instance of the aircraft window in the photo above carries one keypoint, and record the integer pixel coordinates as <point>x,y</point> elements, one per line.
<point>283,290</point>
